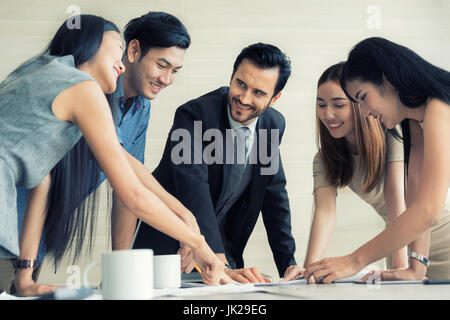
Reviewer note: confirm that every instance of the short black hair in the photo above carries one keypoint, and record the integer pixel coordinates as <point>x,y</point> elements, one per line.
<point>267,56</point>
<point>157,29</point>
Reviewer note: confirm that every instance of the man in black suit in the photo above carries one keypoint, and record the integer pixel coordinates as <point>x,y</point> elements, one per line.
<point>222,162</point>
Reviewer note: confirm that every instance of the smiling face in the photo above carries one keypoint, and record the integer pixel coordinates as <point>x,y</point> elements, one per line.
<point>148,75</point>
<point>334,110</point>
<point>380,102</point>
<point>106,65</point>
<point>251,91</point>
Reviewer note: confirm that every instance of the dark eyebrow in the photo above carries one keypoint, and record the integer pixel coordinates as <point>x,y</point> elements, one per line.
<point>357,95</point>
<point>237,79</point>
<point>262,92</point>
<point>334,99</point>
<point>256,89</point>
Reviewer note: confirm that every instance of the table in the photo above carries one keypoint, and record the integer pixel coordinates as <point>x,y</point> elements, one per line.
<point>335,291</point>
<point>322,299</point>
<point>351,291</point>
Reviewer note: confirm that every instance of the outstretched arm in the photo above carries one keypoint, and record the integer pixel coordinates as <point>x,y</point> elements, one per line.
<point>30,236</point>
<point>324,221</point>
<point>323,224</point>
<point>87,107</point>
<point>393,193</point>
<point>394,197</point>
<point>124,222</point>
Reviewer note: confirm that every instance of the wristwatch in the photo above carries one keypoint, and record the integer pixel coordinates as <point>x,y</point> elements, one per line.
<point>25,264</point>
<point>419,257</point>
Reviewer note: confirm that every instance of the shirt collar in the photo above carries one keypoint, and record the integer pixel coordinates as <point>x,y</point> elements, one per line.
<point>236,125</point>
<point>119,89</point>
<point>138,101</point>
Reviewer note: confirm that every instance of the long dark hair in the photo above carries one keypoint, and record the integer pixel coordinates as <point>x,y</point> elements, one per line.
<point>414,78</point>
<point>336,154</point>
<point>76,175</point>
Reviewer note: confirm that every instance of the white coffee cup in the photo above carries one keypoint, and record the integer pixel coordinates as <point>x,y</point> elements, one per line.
<point>167,271</point>
<point>126,274</point>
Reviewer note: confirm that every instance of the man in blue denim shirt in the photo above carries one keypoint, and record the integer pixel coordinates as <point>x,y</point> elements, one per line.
<point>156,43</point>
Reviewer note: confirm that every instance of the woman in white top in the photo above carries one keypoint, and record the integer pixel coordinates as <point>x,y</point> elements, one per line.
<point>354,151</point>
<point>395,85</point>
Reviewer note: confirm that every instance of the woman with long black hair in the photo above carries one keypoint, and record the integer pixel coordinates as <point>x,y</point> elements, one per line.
<point>46,105</point>
<point>353,151</point>
<point>395,85</point>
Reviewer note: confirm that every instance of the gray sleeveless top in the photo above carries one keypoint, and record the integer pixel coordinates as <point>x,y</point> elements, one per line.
<point>32,139</point>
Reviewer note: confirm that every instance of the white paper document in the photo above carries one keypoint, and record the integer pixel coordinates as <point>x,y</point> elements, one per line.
<point>389,282</point>
<point>208,290</point>
<point>356,277</point>
<point>279,284</point>
<point>59,294</point>
<point>6,296</point>
<point>301,280</point>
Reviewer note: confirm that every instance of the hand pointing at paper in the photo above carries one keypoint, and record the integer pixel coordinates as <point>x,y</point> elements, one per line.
<point>213,269</point>
<point>331,269</point>
<point>247,275</point>
<point>244,275</point>
<point>292,273</point>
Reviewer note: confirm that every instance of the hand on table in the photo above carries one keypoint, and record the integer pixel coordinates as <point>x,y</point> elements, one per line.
<point>330,269</point>
<point>247,275</point>
<point>397,274</point>
<point>187,258</point>
<point>293,272</point>
<point>26,287</point>
<point>213,269</point>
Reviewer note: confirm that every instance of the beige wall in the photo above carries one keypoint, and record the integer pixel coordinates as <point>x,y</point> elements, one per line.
<point>315,34</point>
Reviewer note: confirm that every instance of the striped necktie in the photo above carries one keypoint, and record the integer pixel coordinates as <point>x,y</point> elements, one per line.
<point>241,145</point>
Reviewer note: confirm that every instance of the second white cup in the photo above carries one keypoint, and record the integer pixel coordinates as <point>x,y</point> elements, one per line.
<point>167,271</point>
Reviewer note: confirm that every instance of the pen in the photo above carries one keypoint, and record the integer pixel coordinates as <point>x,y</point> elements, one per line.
<point>267,276</point>
<point>198,269</point>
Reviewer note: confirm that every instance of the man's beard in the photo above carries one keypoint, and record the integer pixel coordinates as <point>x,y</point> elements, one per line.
<point>253,115</point>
